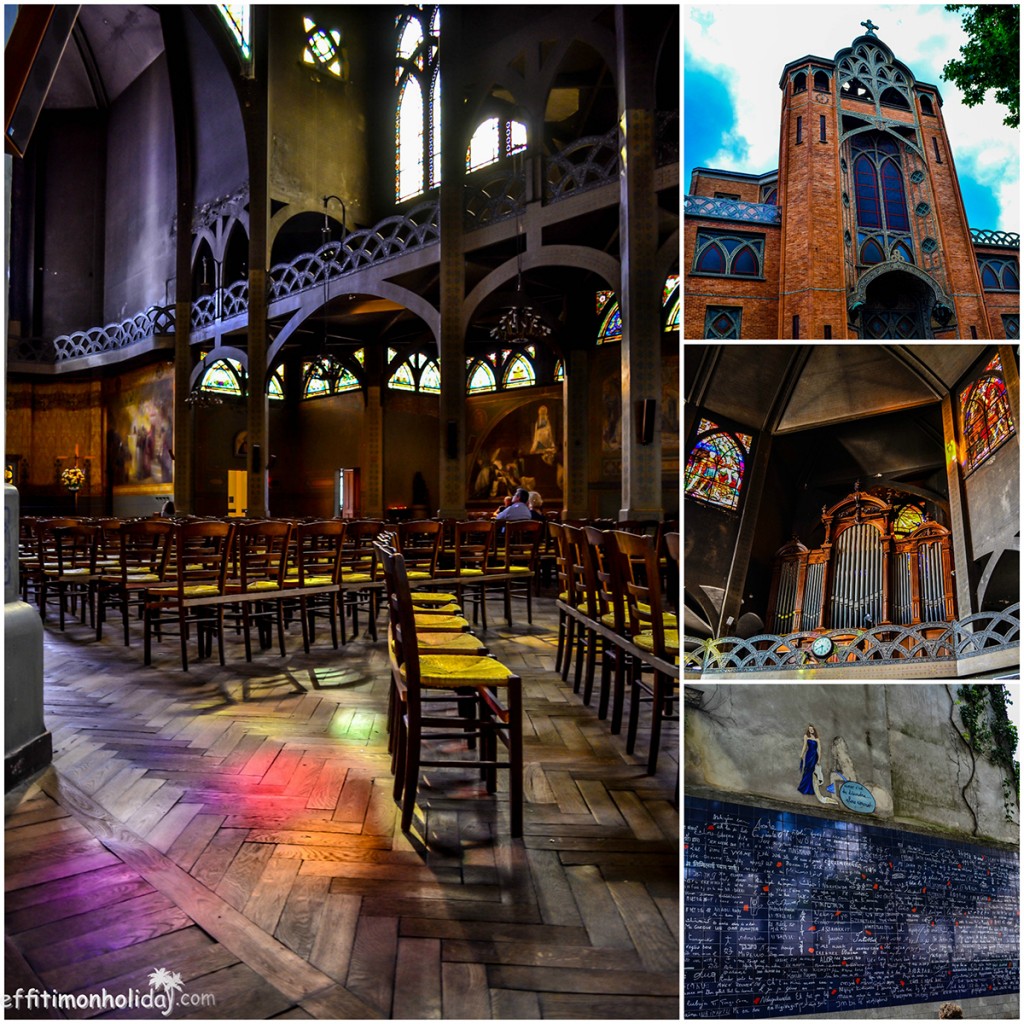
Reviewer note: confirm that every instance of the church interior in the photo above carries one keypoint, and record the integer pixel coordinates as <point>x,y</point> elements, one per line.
<point>307,306</point>
<point>864,497</point>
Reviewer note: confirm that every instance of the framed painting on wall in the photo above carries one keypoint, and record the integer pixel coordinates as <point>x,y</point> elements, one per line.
<point>140,431</point>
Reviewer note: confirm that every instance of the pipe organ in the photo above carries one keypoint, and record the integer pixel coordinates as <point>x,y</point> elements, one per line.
<point>864,574</point>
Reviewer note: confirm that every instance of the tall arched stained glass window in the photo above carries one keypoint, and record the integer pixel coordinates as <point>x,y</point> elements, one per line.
<point>418,106</point>
<point>560,370</point>
<point>878,182</point>
<point>275,386</point>
<point>714,469</point>
<point>611,317</point>
<point>670,302</point>
<point>985,411</point>
<point>494,139</point>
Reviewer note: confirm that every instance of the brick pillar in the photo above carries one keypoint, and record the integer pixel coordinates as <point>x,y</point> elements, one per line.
<point>575,424</point>
<point>452,271</point>
<point>640,289</point>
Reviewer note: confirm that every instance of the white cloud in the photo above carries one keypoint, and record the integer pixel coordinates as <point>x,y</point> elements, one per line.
<point>746,47</point>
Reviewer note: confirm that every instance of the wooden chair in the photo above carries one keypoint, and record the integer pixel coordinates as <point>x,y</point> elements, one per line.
<point>521,553</point>
<point>563,575</point>
<point>420,543</point>
<point>479,715</point>
<point>611,599</point>
<point>474,542</point>
<point>359,566</point>
<point>639,566</point>
<point>45,558</point>
<point>201,554</point>
<point>583,596</point>
<point>74,577</point>
<point>143,551</point>
<point>260,554</point>
<point>317,550</point>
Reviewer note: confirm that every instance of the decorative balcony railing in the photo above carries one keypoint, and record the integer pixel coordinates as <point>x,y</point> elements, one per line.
<point>928,642</point>
<point>583,164</point>
<point>494,201</point>
<point>666,137</point>
<point>96,340</point>
<point>731,209</point>
<point>1004,239</point>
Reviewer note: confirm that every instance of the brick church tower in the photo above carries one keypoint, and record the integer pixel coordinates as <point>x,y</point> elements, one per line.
<point>869,237</point>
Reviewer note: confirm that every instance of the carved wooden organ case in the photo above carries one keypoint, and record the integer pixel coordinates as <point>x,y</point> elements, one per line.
<point>863,575</point>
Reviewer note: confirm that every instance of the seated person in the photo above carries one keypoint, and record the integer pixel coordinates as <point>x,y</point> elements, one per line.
<point>536,504</point>
<point>519,509</point>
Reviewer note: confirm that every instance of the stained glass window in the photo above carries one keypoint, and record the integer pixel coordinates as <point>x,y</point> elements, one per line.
<point>239,20</point>
<point>402,379</point>
<point>723,322</point>
<point>985,410</point>
<point>430,379</point>
<point>359,355</point>
<point>611,325</point>
<point>519,373</point>
<point>560,370</point>
<point>878,183</point>
<point>418,108</point>
<point>224,377</point>
<point>317,385</point>
<point>346,380</point>
<point>481,378</point>
<point>275,386</point>
<point>670,302</point>
<point>490,143</point>
<point>323,48</point>
<point>726,253</point>
<point>907,520</point>
<point>714,469</point>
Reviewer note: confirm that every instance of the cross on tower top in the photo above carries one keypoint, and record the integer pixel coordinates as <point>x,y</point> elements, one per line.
<point>870,26</point>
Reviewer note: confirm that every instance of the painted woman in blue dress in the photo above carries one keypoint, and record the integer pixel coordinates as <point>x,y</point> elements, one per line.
<point>808,761</point>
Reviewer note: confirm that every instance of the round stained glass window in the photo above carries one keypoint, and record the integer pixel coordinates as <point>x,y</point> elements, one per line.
<point>922,209</point>
<point>917,177</point>
<point>929,244</point>
<point>722,324</point>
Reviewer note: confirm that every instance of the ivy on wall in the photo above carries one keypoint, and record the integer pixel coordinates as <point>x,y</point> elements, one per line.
<point>989,733</point>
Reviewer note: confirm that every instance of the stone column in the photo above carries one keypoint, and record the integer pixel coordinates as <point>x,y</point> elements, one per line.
<point>640,289</point>
<point>963,564</point>
<point>182,112</point>
<point>452,271</point>
<point>575,430</point>
<point>257,136</point>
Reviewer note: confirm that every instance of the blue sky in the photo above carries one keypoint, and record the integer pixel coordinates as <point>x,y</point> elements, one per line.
<point>734,55</point>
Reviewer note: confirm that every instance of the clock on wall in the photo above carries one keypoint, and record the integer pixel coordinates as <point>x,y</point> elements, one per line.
<point>822,647</point>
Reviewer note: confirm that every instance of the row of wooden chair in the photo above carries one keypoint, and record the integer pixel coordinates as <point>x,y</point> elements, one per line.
<point>445,688</point>
<point>611,604</point>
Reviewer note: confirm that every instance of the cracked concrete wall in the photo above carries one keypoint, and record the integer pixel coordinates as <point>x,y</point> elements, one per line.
<point>744,742</point>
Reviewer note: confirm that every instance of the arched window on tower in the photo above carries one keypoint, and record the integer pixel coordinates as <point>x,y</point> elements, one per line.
<point>418,109</point>
<point>714,469</point>
<point>800,82</point>
<point>985,415</point>
<point>926,106</point>
<point>821,82</point>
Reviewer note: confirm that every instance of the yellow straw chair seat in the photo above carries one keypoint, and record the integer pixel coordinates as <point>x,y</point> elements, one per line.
<point>72,572</point>
<point>354,577</point>
<point>442,623</point>
<point>452,670</point>
<point>449,643</point>
<point>644,611</point>
<point>195,590</point>
<point>438,609</point>
<point>431,597</point>
<point>645,641</point>
<point>418,574</point>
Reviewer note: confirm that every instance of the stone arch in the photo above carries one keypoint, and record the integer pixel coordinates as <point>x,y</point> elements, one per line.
<point>904,309</point>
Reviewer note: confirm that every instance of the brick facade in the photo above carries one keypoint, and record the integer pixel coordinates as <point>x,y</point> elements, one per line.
<point>820,278</point>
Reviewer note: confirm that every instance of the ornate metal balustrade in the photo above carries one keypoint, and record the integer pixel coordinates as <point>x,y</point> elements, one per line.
<point>938,643</point>
<point>731,209</point>
<point>583,164</point>
<point>493,202</point>
<point>110,338</point>
<point>1004,239</point>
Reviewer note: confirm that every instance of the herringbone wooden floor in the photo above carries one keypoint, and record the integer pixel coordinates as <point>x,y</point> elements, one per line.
<point>252,847</point>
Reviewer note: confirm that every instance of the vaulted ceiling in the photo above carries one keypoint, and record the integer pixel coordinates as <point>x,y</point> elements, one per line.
<point>786,388</point>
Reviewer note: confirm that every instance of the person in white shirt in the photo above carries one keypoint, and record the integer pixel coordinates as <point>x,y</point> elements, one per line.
<point>519,509</point>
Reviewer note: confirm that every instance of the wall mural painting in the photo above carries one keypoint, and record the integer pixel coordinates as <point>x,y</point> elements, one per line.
<point>140,430</point>
<point>513,444</point>
<point>668,420</point>
<point>788,914</point>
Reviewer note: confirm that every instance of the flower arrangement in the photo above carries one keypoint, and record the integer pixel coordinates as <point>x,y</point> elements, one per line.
<point>8,475</point>
<point>72,478</point>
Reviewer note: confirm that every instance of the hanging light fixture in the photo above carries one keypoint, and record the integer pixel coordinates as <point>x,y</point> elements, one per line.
<point>323,366</point>
<point>521,324</point>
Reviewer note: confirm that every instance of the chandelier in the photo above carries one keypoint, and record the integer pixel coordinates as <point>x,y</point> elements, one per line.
<point>200,398</point>
<point>520,324</point>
